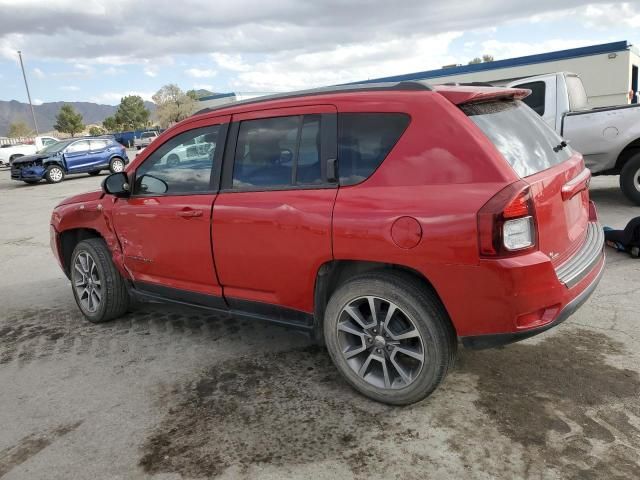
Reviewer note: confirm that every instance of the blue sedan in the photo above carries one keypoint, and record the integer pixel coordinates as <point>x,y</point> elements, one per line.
<point>77,155</point>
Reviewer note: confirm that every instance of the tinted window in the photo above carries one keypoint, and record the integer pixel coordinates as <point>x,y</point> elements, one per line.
<point>81,146</point>
<point>520,135</point>
<point>98,145</point>
<point>281,151</point>
<point>183,163</point>
<point>364,141</point>
<point>48,141</point>
<point>536,99</point>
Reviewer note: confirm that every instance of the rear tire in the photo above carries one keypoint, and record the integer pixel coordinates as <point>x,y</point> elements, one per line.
<point>630,179</point>
<point>98,288</point>
<point>418,328</point>
<point>54,174</point>
<point>116,165</point>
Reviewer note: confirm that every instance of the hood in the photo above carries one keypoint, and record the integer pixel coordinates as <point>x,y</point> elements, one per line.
<point>83,197</point>
<point>31,158</point>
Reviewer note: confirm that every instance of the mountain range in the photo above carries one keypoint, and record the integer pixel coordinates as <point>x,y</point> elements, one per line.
<point>92,113</point>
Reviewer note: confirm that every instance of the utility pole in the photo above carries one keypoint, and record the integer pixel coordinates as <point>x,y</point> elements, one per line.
<point>33,114</point>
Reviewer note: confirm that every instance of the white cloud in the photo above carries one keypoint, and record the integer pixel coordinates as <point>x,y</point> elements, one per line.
<point>38,73</point>
<point>201,72</point>
<point>70,88</point>
<point>151,72</point>
<point>113,71</point>
<point>113,98</point>
<point>37,101</point>
<point>612,16</point>
<point>346,64</point>
<point>230,62</point>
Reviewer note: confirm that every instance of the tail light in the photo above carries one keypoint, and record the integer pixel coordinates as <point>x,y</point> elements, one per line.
<point>507,223</point>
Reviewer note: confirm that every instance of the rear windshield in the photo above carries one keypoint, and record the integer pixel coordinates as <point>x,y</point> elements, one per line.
<point>521,136</point>
<point>148,135</point>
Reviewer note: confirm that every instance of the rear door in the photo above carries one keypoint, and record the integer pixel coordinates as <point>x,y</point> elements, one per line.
<point>272,218</point>
<point>557,175</point>
<point>164,227</point>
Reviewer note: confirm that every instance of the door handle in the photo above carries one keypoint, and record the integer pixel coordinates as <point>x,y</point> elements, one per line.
<point>189,213</point>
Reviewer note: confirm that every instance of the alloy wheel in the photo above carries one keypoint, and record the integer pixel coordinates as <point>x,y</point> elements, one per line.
<point>86,282</point>
<point>636,180</point>
<point>380,342</point>
<point>117,166</point>
<point>55,174</point>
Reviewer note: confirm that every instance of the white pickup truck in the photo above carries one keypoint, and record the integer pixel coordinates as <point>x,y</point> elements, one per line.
<point>10,152</point>
<point>145,139</point>
<point>608,138</point>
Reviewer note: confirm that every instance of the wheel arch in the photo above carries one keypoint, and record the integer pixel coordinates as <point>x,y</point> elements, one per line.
<point>68,241</point>
<point>332,274</point>
<point>627,152</point>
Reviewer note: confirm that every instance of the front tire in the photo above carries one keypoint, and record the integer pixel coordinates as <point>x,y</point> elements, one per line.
<point>98,288</point>
<point>390,337</point>
<point>116,165</point>
<point>54,174</point>
<point>630,179</point>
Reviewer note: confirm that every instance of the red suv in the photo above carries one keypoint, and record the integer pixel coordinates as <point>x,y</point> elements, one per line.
<point>387,220</point>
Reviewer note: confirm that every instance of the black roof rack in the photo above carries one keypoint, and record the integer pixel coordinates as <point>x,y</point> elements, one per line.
<point>354,87</point>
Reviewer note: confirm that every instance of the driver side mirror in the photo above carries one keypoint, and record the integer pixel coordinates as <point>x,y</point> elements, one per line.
<point>117,184</point>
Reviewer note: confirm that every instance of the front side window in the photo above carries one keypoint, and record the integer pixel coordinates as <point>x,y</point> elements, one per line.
<point>81,146</point>
<point>181,166</point>
<point>364,141</point>
<point>278,152</point>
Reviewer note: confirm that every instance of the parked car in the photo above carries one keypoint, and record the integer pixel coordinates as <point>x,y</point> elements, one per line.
<point>609,137</point>
<point>389,221</point>
<point>8,153</point>
<point>145,139</point>
<point>77,155</point>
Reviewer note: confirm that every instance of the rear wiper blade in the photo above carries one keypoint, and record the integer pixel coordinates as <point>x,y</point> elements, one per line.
<point>560,146</point>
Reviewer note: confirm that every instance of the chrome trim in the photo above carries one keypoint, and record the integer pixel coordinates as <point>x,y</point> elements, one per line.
<point>577,267</point>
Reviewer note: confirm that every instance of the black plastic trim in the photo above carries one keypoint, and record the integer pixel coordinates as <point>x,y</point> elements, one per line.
<point>243,309</point>
<point>479,342</point>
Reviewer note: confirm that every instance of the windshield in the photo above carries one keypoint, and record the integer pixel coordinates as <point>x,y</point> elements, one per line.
<point>522,137</point>
<point>55,147</point>
<point>577,95</point>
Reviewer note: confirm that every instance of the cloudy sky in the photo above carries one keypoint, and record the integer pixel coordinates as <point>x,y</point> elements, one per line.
<point>98,50</point>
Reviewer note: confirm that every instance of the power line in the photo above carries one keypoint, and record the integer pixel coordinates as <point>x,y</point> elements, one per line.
<point>24,75</point>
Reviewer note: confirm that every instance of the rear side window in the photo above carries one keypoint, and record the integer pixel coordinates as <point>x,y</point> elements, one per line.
<point>522,137</point>
<point>536,99</point>
<point>278,152</point>
<point>364,141</point>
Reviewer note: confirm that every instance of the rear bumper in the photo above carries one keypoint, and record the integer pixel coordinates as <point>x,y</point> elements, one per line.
<point>495,340</point>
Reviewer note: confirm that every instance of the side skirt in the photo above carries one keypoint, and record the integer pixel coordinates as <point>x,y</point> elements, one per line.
<point>241,309</point>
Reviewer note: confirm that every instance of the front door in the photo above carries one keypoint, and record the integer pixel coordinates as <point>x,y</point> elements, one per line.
<point>78,157</point>
<point>165,226</point>
<point>272,218</point>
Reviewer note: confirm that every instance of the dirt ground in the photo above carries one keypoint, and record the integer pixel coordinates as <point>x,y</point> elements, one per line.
<point>166,395</point>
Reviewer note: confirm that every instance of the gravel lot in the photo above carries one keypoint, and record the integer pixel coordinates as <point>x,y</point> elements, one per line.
<point>161,394</point>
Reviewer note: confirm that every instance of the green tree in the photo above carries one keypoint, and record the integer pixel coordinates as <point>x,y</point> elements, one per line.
<point>173,105</point>
<point>19,129</point>
<point>68,121</point>
<point>95,131</point>
<point>485,58</point>
<point>110,125</point>
<point>132,113</point>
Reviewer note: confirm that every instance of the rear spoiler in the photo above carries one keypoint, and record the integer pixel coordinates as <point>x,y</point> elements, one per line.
<point>460,95</point>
